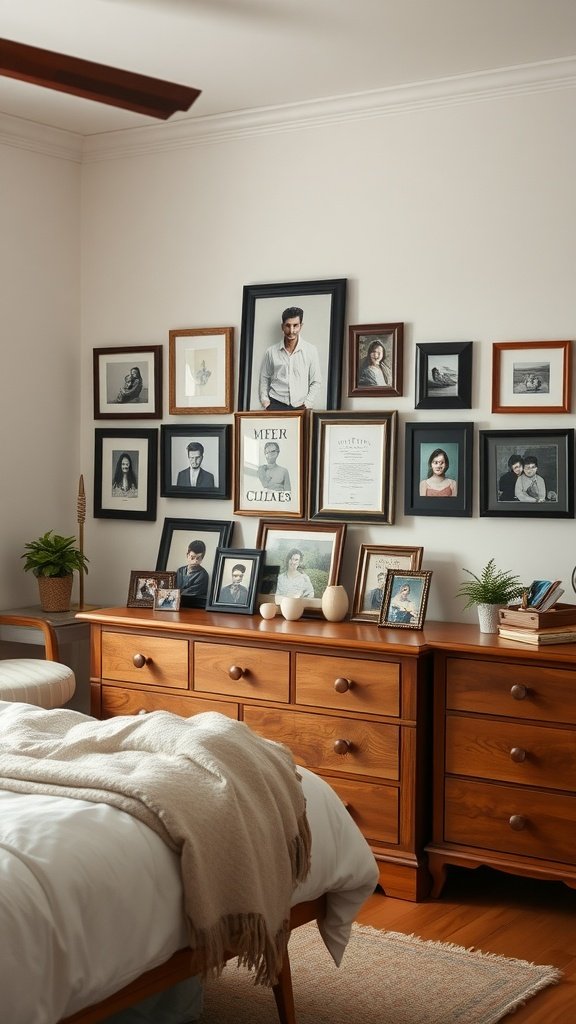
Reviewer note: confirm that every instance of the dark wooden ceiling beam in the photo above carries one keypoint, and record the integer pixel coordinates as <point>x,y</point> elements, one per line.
<point>126,89</point>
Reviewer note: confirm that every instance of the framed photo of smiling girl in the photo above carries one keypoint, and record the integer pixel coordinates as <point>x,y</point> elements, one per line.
<point>438,469</point>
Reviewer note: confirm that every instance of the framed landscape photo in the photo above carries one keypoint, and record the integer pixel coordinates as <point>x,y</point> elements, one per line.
<point>444,375</point>
<point>200,370</point>
<point>235,578</point>
<point>374,563</point>
<point>270,464</point>
<point>438,469</point>
<point>125,473</point>
<point>527,473</point>
<point>405,599</point>
<point>128,383</point>
<point>188,549</point>
<point>318,310</point>
<point>375,357</point>
<point>145,584</point>
<point>195,461</point>
<point>300,560</point>
<point>531,376</point>
<point>353,466</point>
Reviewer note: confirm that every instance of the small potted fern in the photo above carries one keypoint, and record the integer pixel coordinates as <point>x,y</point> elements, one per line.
<point>53,560</point>
<point>490,591</point>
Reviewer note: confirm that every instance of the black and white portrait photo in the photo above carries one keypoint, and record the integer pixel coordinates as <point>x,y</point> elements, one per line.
<point>527,473</point>
<point>125,474</point>
<point>195,461</point>
<point>128,382</point>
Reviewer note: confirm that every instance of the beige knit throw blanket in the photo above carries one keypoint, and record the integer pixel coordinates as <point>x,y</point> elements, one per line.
<point>229,802</point>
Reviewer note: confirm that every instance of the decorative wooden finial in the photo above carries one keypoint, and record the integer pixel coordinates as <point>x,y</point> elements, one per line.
<point>81,517</point>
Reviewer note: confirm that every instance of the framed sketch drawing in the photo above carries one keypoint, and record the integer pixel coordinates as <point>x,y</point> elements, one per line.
<point>531,376</point>
<point>188,548</point>
<point>125,473</point>
<point>444,375</point>
<point>353,466</point>
<point>405,599</point>
<point>309,314</point>
<point>374,563</point>
<point>527,473</point>
<point>128,383</point>
<point>300,560</point>
<point>195,461</point>
<point>438,469</point>
<point>270,463</point>
<point>235,580</point>
<point>375,356</point>
<point>200,370</point>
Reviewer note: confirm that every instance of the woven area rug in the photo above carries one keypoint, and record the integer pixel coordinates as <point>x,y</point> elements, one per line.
<point>384,978</point>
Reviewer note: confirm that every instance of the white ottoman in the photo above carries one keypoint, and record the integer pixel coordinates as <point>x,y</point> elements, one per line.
<point>47,684</point>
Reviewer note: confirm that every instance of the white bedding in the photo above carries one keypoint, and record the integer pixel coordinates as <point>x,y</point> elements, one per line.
<point>90,897</point>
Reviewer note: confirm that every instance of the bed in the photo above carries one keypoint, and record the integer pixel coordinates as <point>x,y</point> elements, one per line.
<point>91,900</point>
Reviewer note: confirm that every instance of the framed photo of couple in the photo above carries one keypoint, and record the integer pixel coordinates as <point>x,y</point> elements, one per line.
<point>527,473</point>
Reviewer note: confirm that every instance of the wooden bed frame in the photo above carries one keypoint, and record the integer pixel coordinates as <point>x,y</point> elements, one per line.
<point>184,964</point>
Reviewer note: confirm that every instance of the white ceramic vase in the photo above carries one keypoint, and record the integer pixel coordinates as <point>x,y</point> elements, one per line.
<point>268,610</point>
<point>488,617</point>
<point>334,604</point>
<point>292,607</point>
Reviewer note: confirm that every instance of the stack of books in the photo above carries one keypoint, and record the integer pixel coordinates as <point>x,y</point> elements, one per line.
<point>543,623</point>
<point>544,594</point>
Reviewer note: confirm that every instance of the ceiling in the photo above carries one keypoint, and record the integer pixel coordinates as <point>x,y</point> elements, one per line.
<point>245,54</point>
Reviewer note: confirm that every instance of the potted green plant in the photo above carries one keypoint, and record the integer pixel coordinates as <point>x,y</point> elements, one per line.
<point>489,591</point>
<point>53,560</point>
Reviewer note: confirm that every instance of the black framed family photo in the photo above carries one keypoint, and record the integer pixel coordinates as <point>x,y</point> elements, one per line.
<point>312,311</point>
<point>188,549</point>
<point>527,473</point>
<point>195,461</point>
<point>438,470</point>
<point>128,382</point>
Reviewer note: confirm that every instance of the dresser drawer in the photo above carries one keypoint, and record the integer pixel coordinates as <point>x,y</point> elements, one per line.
<point>511,752</point>
<point>348,684</point>
<point>368,748</point>
<point>116,701</point>
<point>480,813</point>
<point>164,659</point>
<point>518,691</point>
<point>375,809</point>
<point>260,671</point>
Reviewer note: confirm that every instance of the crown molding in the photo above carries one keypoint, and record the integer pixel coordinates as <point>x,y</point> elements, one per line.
<point>39,138</point>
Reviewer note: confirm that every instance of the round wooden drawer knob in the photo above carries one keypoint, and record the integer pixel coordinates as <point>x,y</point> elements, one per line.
<point>517,754</point>
<point>139,660</point>
<point>342,685</point>
<point>519,691</point>
<point>235,672</point>
<point>342,746</point>
<point>517,822</point>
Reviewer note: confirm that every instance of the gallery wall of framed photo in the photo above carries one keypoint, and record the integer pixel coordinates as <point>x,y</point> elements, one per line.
<point>302,471</point>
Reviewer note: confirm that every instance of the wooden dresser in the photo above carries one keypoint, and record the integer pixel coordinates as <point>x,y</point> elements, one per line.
<point>349,699</point>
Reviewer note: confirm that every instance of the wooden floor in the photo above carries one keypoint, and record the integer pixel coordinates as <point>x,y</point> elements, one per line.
<point>497,913</point>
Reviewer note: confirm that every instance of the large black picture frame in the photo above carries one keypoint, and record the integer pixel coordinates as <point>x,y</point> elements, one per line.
<point>421,442</point>
<point>554,451</point>
<point>324,307</point>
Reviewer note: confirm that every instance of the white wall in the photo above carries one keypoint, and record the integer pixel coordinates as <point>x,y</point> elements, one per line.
<point>40,357</point>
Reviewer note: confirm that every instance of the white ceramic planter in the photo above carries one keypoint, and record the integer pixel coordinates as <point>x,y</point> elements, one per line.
<point>488,617</point>
<point>292,607</point>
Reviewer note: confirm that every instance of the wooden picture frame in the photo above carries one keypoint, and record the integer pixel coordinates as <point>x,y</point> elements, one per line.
<point>427,445</point>
<point>200,370</point>
<point>235,579</point>
<point>444,375</point>
<point>181,540</point>
<point>353,466</point>
<point>200,449</point>
<point>374,563</point>
<point>405,599</point>
<point>503,458</point>
<point>270,464</point>
<point>320,546</point>
<point>531,376</point>
<point>144,584</point>
<point>128,382</point>
<point>324,311</point>
<point>368,376</point>
<point>125,473</point>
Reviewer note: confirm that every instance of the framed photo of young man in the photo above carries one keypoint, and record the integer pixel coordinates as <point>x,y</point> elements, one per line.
<point>444,375</point>
<point>195,461</point>
<point>531,376</point>
<point>128,382</point>
<point>374,563</point>
<point>188,548</point>
<point>200,370</point>
<point>300,560</point>
<point>235,580</point>
<point>291,345</point>
<point>375,356</point>
<point>405,599</point>
<point>353,466</point>
<point>527,473</point>
<point>125,473</point>
<point>438,469</point>
<point>270,464</point>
